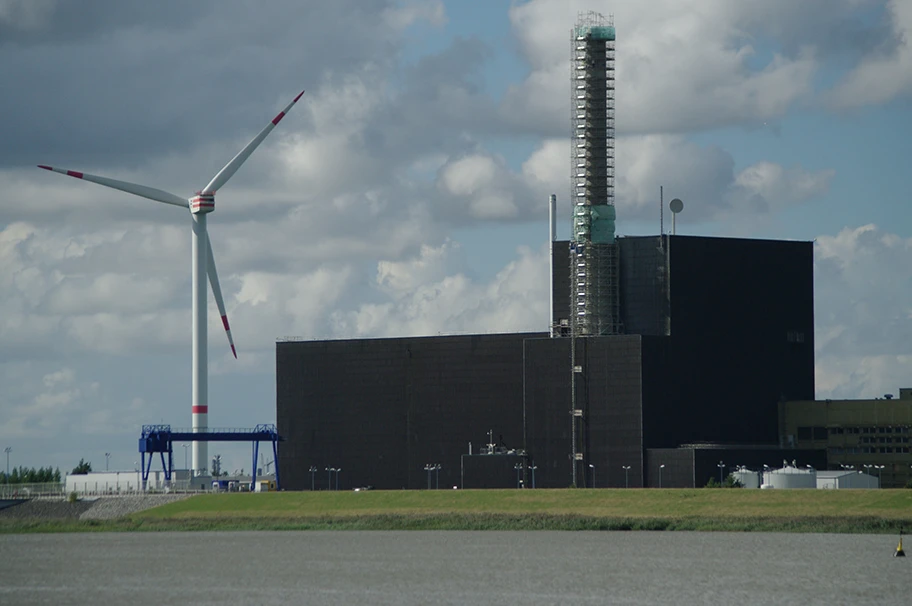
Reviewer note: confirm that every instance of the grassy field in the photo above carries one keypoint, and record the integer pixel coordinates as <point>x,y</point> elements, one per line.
<point>868,511</point>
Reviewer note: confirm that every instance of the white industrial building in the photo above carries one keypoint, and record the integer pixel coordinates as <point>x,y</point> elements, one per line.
<point>791,476</point>
<point>846,479</point>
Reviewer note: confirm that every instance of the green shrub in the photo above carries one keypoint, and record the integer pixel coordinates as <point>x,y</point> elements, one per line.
<point>72,497</point>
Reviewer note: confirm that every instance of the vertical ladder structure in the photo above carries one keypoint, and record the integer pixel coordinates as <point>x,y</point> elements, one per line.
<point>595,307</point>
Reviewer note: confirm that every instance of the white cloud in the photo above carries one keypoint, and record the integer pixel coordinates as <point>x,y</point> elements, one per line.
<point>516,299</point>
<point>682,66</point>
<point>703,176</point>
<point>864,314</point>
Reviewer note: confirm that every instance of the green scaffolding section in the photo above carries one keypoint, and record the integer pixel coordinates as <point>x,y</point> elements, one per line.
<point>596,32</point>
<point>601,229</point>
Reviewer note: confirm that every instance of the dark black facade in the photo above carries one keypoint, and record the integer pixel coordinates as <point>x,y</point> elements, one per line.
<point>739,320</point>
<point>719,331</point>
<point>382,409</point>
<point>609,395</point>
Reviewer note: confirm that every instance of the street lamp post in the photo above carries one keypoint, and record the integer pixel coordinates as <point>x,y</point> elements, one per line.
<point>626,469</point>
<point>185,455</point>
<point>107,456</point>
<point>329,478</point>
<point>721,467</point>
<point>437,469</point>
<point>337,477</point>
<point>592,467</point>
<point>429,468</point>
<point>313,470</point>
<point>661,467</point>
<point>7,451</point>
<point>518,467</point>
<point>533,467</point>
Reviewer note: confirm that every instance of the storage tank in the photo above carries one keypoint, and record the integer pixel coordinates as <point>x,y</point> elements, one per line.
<point>748,478</point>
<point>791,477</point>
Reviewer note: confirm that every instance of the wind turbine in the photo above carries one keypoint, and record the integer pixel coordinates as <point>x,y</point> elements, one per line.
<point>203,265</point>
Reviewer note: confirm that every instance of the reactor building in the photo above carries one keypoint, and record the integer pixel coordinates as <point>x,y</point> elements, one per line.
<point>665,357</point>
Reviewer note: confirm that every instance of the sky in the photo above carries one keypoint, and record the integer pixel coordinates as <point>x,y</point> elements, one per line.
<point>406,193</point>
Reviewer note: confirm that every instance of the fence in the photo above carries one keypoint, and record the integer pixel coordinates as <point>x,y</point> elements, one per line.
<point>32,491</point>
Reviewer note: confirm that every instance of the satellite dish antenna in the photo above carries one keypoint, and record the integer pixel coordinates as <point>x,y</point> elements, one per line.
<point>676,206</point>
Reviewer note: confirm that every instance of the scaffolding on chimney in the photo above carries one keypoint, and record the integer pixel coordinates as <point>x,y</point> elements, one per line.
<point>595,307</point>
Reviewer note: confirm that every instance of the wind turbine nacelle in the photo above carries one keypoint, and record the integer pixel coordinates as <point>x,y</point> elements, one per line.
<point>202,202</point>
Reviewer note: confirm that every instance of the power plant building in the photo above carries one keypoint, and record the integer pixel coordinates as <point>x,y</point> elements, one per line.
<point>709,352</point>
<point>655,344</point>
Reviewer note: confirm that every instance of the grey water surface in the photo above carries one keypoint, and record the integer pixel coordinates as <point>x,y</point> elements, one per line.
<point>452,567</point>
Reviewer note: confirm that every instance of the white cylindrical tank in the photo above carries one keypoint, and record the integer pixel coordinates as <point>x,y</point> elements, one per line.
<point>792,477</point>
<point>748,478</point>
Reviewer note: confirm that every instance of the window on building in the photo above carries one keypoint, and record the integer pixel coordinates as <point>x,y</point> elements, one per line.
<point>819,433</point>
<point>804,433</point>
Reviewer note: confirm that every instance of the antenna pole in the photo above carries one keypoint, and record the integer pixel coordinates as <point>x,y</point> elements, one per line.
<point>661,212</point>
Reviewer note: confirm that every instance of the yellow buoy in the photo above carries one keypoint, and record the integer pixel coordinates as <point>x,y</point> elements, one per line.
<point>899,550</point>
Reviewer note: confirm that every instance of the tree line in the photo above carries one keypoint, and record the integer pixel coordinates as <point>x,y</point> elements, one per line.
<point>30,475</point>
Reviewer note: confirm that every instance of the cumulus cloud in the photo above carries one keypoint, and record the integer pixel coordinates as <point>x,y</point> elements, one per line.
<point>516,299</point>
<point>703,176</point>
<point>863,289</point>
<point>681,67</point>
<point>694,65</point>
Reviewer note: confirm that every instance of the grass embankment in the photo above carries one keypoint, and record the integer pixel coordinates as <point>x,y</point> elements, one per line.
<point>844,511</point>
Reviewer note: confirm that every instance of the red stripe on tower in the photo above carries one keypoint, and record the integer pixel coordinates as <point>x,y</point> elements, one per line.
<point>200,410</point>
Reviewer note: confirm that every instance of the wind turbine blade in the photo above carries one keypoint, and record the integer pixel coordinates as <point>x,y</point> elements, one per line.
<point>217,293</point>
<point>131,188</point>
<point>228,171</point>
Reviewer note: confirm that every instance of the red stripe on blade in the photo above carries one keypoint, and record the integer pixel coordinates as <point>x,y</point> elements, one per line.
<point>299,96</point>
<point>73,173</point>
<point>225,322</point>
<point>45,167</point>
<point>200,410</point>
<point>234,351</point>
<point>277,118</point>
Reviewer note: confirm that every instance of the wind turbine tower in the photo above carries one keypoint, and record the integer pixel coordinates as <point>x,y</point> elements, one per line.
<point>202,267</point>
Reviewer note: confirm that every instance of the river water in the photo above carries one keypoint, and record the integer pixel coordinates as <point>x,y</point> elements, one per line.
<point>452,567</point>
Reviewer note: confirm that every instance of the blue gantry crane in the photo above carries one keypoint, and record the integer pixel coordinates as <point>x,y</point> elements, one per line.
<point>160,439</point>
